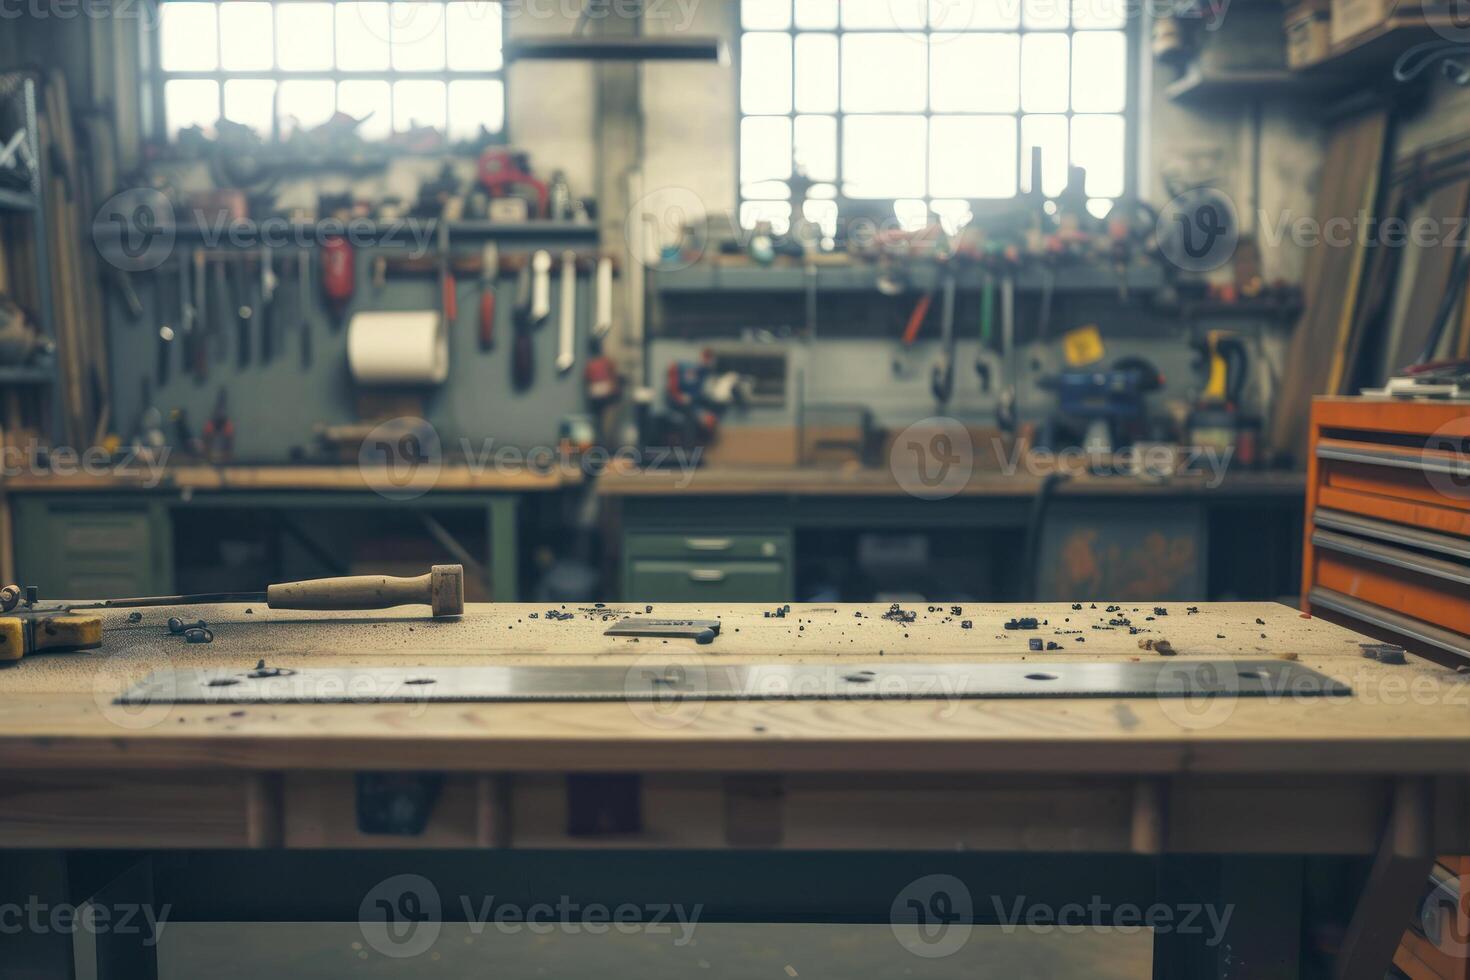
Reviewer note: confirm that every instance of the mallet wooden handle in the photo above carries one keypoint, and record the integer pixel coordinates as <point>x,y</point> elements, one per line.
<point>442,589</point>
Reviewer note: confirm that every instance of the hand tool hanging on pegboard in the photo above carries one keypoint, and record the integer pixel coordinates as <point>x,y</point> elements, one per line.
<point>566,354</point>
<point>489,275</point>
<point>339,278</point>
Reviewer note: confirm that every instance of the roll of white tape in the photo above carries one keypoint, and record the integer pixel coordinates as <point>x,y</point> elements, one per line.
<point>398,348</point>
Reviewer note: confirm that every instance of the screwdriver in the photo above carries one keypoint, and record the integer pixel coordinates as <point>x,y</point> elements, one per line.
<point>441,589</point>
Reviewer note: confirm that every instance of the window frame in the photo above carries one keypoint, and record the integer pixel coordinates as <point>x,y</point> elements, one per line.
<point>156,77</point>
<point>1134,29</point>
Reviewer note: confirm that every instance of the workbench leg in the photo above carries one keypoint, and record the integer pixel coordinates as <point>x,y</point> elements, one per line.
<point>1236,917</point>
<point>1395,885</point>
<point>504,550</point>
<point>128,948</point>
<point>35,894</point>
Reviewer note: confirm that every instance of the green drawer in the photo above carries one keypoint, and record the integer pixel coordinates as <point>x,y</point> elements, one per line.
<point>712,581</point>
<point>710,546</point>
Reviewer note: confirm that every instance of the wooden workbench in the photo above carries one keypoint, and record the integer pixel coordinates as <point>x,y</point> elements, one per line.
<point>1145,786</point>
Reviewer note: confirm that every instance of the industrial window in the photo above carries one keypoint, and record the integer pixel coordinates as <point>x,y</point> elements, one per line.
<point>285,65</point>
<point>932,104</point>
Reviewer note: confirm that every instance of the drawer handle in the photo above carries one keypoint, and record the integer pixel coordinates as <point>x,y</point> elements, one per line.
<point>706,575</point>
<point>709,544</point>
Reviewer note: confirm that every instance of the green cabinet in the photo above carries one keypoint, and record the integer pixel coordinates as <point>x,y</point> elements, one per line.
<point>90,548</point>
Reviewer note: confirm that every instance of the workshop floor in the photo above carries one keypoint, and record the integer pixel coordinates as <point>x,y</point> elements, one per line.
<point>717,951</point>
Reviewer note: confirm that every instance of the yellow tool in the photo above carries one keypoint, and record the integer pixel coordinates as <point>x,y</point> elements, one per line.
<point>54,633</point>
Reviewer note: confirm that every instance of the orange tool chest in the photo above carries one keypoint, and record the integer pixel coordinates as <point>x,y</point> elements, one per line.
<point>1387,548</point>
<point>1387,552</point>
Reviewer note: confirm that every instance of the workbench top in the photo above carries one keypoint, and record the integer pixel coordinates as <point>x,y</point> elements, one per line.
<point>446,479</point>
<point>56,711</point>
<point>880,482</point>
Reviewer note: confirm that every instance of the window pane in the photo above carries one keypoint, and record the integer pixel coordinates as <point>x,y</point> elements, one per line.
<point>816,146</point>
<point>816,13</point>
<point>883,156</point>
<point>1045,14</point>
<point>1097,144</point>
<point>418,35</point>
<point>305,104</point>
<point>475,36</point>
<point>417,104</point>
<point>778,213</point>
<point>369,102</point>
<point>190,103</point>
<point>1095,14</point>
<point>245,36</point>
<point>765,15</point>
<point>973,15</point>
<point>816,73</point>
<point>765,148</point>
<point>188,39</point>
<point>972,156</point>
<point>883,73</point>
<point>765,77</point>
<point>473,104</point>
<point>975,73</point>
<point>362,36</point>
<point>304,36</point>
<point>1044,72</point>
<point>1099,65</point>
<point>884,15</point>
<point>251,102</point>
<point>1049,133</point>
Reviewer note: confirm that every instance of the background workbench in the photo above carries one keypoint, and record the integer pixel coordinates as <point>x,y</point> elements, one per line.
<point>764,535</point>
<point>216,528</point>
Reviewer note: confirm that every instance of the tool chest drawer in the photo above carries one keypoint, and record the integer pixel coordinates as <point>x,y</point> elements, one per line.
<point>667,580</point>
<point>760,545</point>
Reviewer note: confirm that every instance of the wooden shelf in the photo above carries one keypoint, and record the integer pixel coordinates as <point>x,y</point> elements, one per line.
<point>1377,48</point>
<point>1197,87</point>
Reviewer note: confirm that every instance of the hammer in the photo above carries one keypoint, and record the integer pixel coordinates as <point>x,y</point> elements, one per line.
<point>441,589</point>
